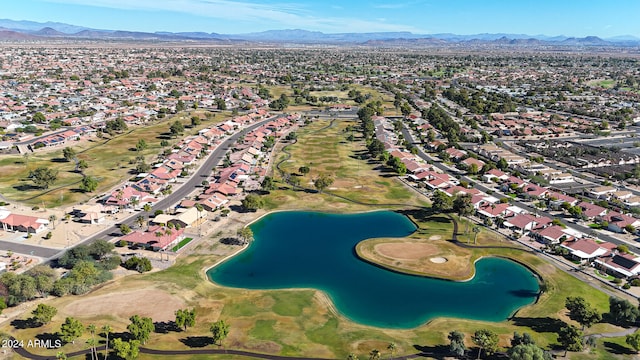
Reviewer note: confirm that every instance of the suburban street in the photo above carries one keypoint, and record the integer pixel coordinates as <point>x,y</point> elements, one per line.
<point>176,196</point>
<point>584,229</point>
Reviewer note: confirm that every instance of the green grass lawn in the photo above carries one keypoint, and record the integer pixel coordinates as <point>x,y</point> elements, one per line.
<point>181,244</point>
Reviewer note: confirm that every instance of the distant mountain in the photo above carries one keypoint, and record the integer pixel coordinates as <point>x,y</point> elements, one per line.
<point>589,40</point>
<point>60,30</point>
<point>33,26</point>
<point>47,31</point>
<point>10,35</point>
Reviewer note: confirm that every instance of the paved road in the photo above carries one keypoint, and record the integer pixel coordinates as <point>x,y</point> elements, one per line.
<point>585,229</point>
<point>180,193</point>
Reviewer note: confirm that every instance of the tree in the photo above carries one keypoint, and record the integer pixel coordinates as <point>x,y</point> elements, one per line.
<point>52,220</point>
<point>195,121</point>
<point>141,145</point>
<point>268,183</point>
<point>245,234</point>
<point>89,184</point>
<point>185,318</point>
<point>71,329</point>
<point>139,264</point>
<point>252,202</point>
<point>463,205</point>
<point>106,330</point>
<point>375,147</point>
<point>374,354</point>
<point>146,207</point>
<point>92,342</point>
<point>125,229</point>
<point>622,311</point>
<point>322,182</point>
<point>487,340</point>
<point>502,164</point>
<point>127,350</point>
<point>140,328</point>
<point>43,314</point>
<point>3,304</point>
<point>304,170</point>
<point>219,330</point>
<point>176,128</point>
<point>43,176</point>
<point>528,352</point>
<point>39,118</point>
<point>392,348</point>
<point>141,220</point>
<point>518,339</point>
<point>634,341</point>
<point>570,337</point>
<point>441,202</point>
<point>69,153</point>
<point>456,343</point>
<point>81,165</point>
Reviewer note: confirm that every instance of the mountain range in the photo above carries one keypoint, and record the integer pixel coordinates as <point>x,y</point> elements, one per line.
<point>13,30</point>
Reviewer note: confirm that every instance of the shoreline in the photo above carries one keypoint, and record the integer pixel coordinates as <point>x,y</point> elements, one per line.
<point>325,299</point>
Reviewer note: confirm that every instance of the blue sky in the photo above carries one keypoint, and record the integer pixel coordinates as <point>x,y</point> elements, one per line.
<point>604,18</point>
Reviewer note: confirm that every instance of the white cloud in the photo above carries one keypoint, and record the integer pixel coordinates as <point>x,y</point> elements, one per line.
<point>275,15</point>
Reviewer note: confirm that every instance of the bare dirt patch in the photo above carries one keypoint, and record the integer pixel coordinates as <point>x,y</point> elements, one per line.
<point>145,302</point>
<point>435,237</point>
<point>406,251</point>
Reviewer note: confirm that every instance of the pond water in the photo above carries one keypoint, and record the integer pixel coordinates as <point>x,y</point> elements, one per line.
<point>317,250</point>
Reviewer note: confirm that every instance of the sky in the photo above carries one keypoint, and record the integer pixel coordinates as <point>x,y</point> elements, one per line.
<point>579,18</point>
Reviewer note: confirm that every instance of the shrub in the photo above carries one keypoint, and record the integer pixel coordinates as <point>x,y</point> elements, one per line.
<point>138,264</point>
<point>635,282</point>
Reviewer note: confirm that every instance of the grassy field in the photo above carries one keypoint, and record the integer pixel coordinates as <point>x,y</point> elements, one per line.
<point>304,322</point>
<point>109,161</point>
<point>322,146</point>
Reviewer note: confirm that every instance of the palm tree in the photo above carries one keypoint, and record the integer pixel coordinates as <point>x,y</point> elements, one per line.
<point>374,354</point>
<point>200,209</point>
<point>146,207</point>
<point>392,347</point>
<point>92,342</point>
<point>476,230</point>
<point>92,345</point>
<point>52,220</point>
<point>140,220</point>
<point>134,202</point>
<point>106,329</point>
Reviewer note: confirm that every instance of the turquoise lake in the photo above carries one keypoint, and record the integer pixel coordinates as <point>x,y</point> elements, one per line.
<point>317,250</point>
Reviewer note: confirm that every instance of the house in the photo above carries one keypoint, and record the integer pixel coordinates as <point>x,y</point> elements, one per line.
<point>617,222</point>
<point>551,235</point>
<point>24,223</point>
<point>592,211</point>
<point>468,162</point>
<point>527,222</point>
<point>156,238</point>
<point>620,265</point>
<point>494,174</point>
<point>586,249</point>
<point>213,201</point>
<point>601,192</point>
<point>89,214</point>
<point>493,210</point>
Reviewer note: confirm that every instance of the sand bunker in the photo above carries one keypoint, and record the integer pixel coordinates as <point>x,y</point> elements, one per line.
<point>438,260</point>
<point>406,251</point>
